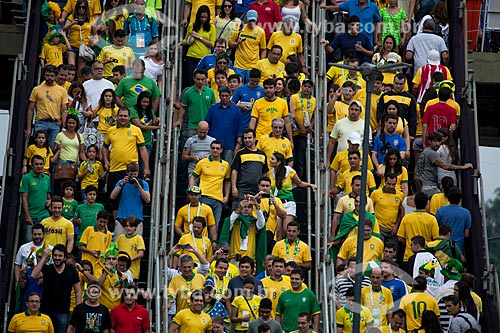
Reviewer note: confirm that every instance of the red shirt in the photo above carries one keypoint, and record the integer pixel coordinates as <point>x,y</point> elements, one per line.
<point>438,116</point>
<point>125,321</point>
<point>269,14</point>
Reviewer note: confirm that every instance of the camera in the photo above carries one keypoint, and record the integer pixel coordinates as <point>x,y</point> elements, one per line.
<point>183,246</point>
<point>132,179</point>
<point>80,22</point>
<point>115,60</point>
<point>266,195</point>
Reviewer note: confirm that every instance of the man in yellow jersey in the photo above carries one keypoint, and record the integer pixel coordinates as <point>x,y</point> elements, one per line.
<point>387,202</point>
<point>290,41</point>
<point>32,320</point>
<point>271,67</point>
<point>192,320</point>
<point>378,299</point>
<point>353,76</point>
<point>196,239</point>
<point>417,223</point>
<point>273,210</point>
<point>341,163</point>
<point>51,103</point>
<point>373,247</point>
<point>58,230</point>
<point>214,175</point>
<point>181,286</point>
<point>302,107</point>
<point>417,302</point>
<point>127,141</point>
<point>292,248</point>
<point>396,323</point>
<point>266,109</point>
<point>276,284</point>
<point>361,95</point>
<point>220,278</point>
<point>249,45</point>
<point>345,179</point>
<point>276,142</point>
<point>187,213</point>
<point>344,315</point>
<point>222,253</point>
<point>116,55</point>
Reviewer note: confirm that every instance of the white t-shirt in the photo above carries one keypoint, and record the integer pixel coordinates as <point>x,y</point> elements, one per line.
<point>24,251</point>
<point>343,128</point>
<point>153,70</point>
<point>94,89</point>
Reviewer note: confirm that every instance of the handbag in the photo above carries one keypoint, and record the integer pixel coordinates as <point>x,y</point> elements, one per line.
<point>90,134</point>
<point>65,171</point>
<point>84,51</point>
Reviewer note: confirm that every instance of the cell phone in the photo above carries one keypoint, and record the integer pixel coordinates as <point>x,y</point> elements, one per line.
<point>266,195</point>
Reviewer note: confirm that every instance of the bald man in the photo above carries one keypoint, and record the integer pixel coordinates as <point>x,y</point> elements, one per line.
<point>197,147</point>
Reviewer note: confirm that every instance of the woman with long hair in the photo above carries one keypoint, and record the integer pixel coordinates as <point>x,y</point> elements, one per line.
<point>142,116</point>
<point>280,87</point>
<point>221,64</point>
<point>200,37</point>
<point>439,14</point>
<point>393,18</point>
<point>430,323</point>
<point>153,62</point>
<point>392,107</point>
<point>394,164</point>
<point>409,201</point>
<point>388,46</point>
<point>226,22</point>
<point>297,10</point>
<point>80,27</point>
<point>462,291</point>
<point>113,18</point>
<point>283,180</point>
<point>449,153</point>
<point>78,101</point>
<point>211,305</point>
<point>439,200</point>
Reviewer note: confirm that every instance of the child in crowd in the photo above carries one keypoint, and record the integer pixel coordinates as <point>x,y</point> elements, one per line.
<point>94,241</point>
<point>50,16</point>
<point>107,111</point>
<point>40,147</point>
<point>132,244</point>
<point>86,213</point>
<point>69,202</point>
<point>124,264</point>
<point>91,170</point>
<point>234,81</point>
<point>52,51</point>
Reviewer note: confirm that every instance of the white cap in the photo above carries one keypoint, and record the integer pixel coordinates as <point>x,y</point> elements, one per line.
<point>354,138</point>
<point>433,58</point>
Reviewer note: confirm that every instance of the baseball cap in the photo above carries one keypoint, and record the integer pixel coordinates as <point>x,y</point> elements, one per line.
<point>433,58</point>
<point>392,57</point>
<point>252,15</point>
<point>194,189</point>
<point>209,282</point>
<point>354,138</point>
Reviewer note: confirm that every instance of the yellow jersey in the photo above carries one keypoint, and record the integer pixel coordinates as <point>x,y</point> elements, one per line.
<point>212,175</point>
<point>180,289</point>
<point>298,251</point>
<point>45,152</point>
<point>302,107</point>
<point>344,181</point>
<point>373,249</point>
<point>124,55</point>
<point>91,178</point>
<point>344,319</point>
<point>341,164</point>
<point>201,244</point>
<point>386,206</point>
<point>53,54</point>
<point>358,81</point>
<point>249,306</point>
<point>191,322</point>
<point>417,223</point>
<point>94,240</point>
<point>107,116</point>
<point>269,70</point>
<point>248,52</point>
<point>132,245</point>
<point>274,289</point>
<point>24,322</point>
<point>187,213</point>
<point>265,111</point>
<point>48,101</point>
<point>291,44</point>
<point>414,305</point>
<point>269,144</point>
<point>57,232</point>
<point>125,141</point>
<point>401,179</point>
<point>380,303</point>
<point>346,204</point>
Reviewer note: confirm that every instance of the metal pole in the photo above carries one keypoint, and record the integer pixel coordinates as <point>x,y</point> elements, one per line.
<point>362,204</point>
<point>309,213</point>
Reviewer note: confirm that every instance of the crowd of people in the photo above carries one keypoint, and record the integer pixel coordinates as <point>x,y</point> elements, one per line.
<point>246,111</point>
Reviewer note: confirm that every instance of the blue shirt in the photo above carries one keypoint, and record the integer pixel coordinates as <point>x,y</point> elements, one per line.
<point>146,29</point>
<point>397,288</point>
<point>247,95</point>
<point>225,124</point>
<point>130,200</point>
<point>243,6</point>
<point>208,62</point>
<point>347,41</point>
<point>458,218</point>
<point>396,141</point>
<point>369,15</point>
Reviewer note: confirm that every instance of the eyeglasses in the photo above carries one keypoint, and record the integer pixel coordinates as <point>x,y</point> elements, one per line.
<point>216,148</point>
<point>228,6</point>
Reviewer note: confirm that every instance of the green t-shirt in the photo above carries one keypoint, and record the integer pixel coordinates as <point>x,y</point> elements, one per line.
<point>129,88</point>
<point>291,304</point>
<point>69,209</point>
<point>87,214</point>
<point>37,189</point>
<point>197,104</point>
<point>148,136</point>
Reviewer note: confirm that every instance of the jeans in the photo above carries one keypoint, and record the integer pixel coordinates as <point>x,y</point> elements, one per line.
<point>60,321</point>
<point>216,206</point>
<point>52,128</point>
<point>190,64</point>
<point>141,162</point>
<point>245,74</point>
<point>227,155</point>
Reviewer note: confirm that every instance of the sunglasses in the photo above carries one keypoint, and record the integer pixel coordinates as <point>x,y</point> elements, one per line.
<point>222,62</point>
<point>228,6</point>
<point>81,7</point>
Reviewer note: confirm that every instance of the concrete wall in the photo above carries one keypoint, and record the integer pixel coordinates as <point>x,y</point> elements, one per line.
<point>12,39</point>
<point>486,67</point>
